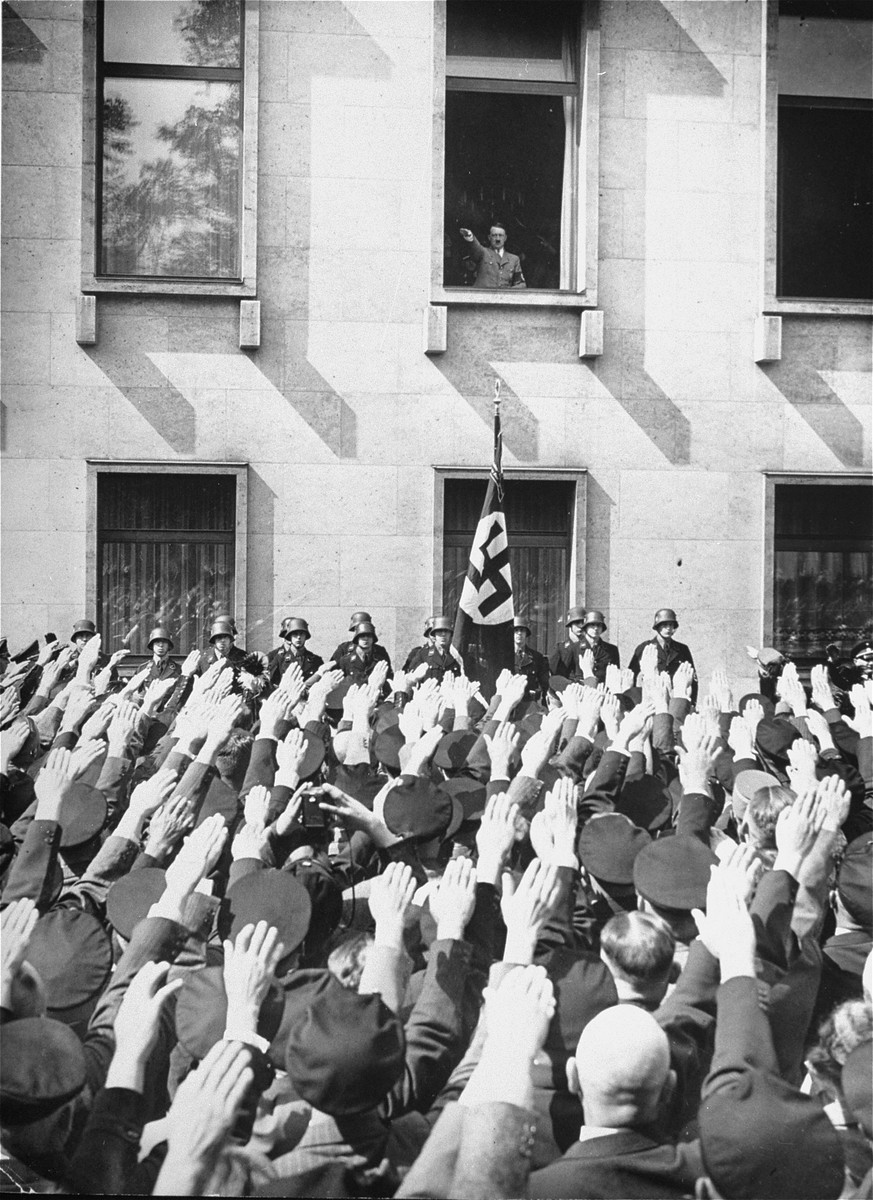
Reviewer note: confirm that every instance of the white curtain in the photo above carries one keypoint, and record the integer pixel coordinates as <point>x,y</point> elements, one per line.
<point>570,54</point>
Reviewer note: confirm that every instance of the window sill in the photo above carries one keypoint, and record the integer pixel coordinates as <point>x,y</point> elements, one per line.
<point>834,308</point>
<point>93,285</point>
<point>510,297</point>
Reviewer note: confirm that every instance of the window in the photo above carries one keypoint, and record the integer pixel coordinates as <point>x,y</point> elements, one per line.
<point>822,566</point>
<point>825,151</point>
<point>539,519</point>
<point>166,554</point>
<point>520,139</point>
<point>169,146</point>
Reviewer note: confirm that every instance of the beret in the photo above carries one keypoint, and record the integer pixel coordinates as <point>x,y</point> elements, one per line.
<point>418,809</point>
<point>72,953</point>
<point>673,872</point>
<point>42,1066</point>
<point>761,1139</point>
<point>470,793</point>
<point>646,802</point>
<point>608,846</point>
<point>855,881</point>
<point>268,895</point>
<point>766,703</point>
<point>857,1085</point>
<point>84,815</point>
<point>745,786</point>
<point>130,898</point>
<point>201,1011</point>
<point>387,746</point>
<point>344,1051</point>
<point>451,753</point>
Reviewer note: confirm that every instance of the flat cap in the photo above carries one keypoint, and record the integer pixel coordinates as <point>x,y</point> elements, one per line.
<point>272,896</point>
<point>469,792</point>
<point>84,815</point>
<point>346,1051</point>
<point>673,872</point>
<point>418,809</point>
<point>71,951</point>
<point>201,1011</point>
<point>42,1066</point>
<point>452,752</point>
<point>129,899</point>
<point>745,786</point>
<point>608,846</point>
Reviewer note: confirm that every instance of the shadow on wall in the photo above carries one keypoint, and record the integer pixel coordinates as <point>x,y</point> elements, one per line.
<point>130,330</point>
<point>809,347</point>
<point>478,337</point>
<point>20,43</point>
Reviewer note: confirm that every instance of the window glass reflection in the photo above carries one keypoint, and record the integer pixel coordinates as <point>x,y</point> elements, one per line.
<point>204,33</point>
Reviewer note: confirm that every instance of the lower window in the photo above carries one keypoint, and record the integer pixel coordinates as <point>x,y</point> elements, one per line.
<point>165,556</point>
<point>823,567</point>
<point>539,521</point>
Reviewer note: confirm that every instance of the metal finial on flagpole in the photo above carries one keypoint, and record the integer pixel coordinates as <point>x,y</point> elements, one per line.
<point>496,393</point>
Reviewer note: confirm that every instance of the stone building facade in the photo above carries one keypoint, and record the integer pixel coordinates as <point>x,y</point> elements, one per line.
<point>325,396</point>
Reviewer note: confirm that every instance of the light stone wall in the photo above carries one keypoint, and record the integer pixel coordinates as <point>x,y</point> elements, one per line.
<point>339,413</point>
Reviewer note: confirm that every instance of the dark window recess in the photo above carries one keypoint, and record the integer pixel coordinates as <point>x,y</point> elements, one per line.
<point>505,162</point>
<point>825,199</point>
<point>511,135</point>
<point>169,179</point>
<point>823,568</point>
<point>165,556</point>
<point>539,521</point>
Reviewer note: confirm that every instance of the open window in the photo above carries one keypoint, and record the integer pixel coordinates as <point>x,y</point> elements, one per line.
<point>820,89</point>
<point>519,142</point>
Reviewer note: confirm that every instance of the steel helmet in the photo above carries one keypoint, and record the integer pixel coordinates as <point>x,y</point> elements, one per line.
<point>160,632</point>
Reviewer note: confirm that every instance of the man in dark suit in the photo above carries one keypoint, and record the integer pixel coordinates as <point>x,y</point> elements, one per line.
<point>294,632</point>
<point>530,663</point>
<point>670,652</point>
<point>585,628</point>
<point>435,660</point>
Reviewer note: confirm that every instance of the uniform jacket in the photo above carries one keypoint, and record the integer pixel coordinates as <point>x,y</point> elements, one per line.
<point>535,667</point>
<point>494,270</point>
<point>566,658</point>
<point>167,669</point>
<point>437,662</point>
<point>670,656</point>
<point>239,659</point>
<point>359,668</point>
<point>280,659</point>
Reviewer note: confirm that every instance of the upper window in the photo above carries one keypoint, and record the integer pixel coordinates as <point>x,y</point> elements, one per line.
<point>825,151</point>
<point>165,556</point>
<point>823,567</point>
<point>539,522</point>
<point>170,139</point>
<point>512,145</point>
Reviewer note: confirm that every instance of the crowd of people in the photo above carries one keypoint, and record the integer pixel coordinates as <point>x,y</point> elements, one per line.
<point>274,924</point>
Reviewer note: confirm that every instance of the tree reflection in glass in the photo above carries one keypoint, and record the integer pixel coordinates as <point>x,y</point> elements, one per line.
<point>171,145</point>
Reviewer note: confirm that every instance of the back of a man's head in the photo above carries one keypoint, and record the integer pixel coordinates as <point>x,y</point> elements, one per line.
<point>763,812</point>
<point>621,1068</point>
<point>638,948</point>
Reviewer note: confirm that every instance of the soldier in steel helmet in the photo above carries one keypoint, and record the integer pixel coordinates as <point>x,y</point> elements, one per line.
<point>294,632</point>
<point>670,651</point>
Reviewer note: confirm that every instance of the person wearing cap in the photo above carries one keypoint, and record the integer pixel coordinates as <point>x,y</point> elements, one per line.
<point>844,674</point>
<point>366,652</point>
<point>294,632</point>
<point>348,646</point>
<point>161,665</point>
<point>585,629</point>
<point>82,633</point>
<point>436,660</point>
<point>530,663</point>
<point>222,635</point>
<point>670,652</point>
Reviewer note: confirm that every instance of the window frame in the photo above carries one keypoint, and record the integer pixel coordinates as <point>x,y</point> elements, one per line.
<point>578,530</point>
<point>94,283</point>
<point>98,467</point>
<point>772,303</point>
<point>587,215</point>
<point>772,480</point>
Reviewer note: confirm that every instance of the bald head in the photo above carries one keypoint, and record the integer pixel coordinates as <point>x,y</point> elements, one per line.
<point>622,1068</point>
